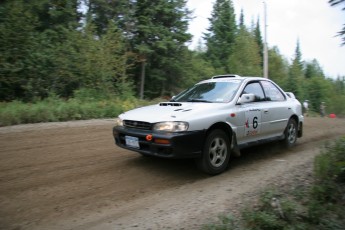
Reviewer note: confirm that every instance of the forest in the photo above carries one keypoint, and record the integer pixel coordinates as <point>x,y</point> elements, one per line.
<point>120,52</point>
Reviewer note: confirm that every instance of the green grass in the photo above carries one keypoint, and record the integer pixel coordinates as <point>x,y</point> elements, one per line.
<point>57,109</point>
<point>319,205</point>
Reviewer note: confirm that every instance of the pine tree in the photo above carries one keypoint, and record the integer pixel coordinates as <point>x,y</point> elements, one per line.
<point>335,3</point>
<point>259,41</point>
<point>18,39</point>
<point>120,12</point>
<point>278,69</point>
<point>245,58</point>
<point>221,34</point>
<point>54,14</point>
<point>159,38</point>
<point>313,69</point>
<point>296,74</point>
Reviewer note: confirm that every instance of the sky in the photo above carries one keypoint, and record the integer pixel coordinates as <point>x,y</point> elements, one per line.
<point>313,22</point>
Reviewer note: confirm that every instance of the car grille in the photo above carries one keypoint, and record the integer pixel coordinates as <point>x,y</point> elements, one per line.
<point>137,124</point>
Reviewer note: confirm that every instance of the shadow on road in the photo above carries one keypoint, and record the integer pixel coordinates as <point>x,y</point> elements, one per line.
<point>186,169</point>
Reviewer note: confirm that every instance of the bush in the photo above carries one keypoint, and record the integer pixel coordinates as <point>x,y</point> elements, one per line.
<point>226,223</point>
<point>87,104</point>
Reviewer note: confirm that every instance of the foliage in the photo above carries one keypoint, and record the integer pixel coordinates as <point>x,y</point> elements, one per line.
<point>296,74</point>
<point>278,67</point>
<point>119,12</point>
<point>87,104</point>
<point>221,34</point>
<point>64,47</point>
<point>245,59</point>
<point>17,39</point>
<point>159,41</point>
<point>320,205</point>
<point>226,222</point>
<point>342,32</point>
<point>44,51</point>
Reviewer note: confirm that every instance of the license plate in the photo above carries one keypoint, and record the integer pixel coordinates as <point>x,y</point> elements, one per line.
<point>132,142</point>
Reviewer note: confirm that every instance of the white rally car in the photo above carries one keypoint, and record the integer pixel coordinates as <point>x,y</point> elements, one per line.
<point>213,120</point>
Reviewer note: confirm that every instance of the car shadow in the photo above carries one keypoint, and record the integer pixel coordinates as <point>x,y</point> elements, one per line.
<point>186,169</point>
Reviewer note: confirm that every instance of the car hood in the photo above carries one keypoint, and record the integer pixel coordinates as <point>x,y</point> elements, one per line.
<point>169,111</point>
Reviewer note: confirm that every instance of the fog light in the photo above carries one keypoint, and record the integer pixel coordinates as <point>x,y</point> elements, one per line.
<point>149,137</point>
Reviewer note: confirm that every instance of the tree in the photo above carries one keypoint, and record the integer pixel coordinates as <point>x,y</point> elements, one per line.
<point>197,69</point>
<point>104,61</point>
<point>120,12</point>
<point>53,14</point>
<point>18,39</point>
<point>221,34</point>
<point>313,69</point>
<point>336,97</point>
<point>245,58</point>
<point>296,74</point>
<point>44,50</point>
<point>318,90</point>
<point>158,39</point>
<point>342,32</point>
<point>279,67</point>
<point>258,39</point>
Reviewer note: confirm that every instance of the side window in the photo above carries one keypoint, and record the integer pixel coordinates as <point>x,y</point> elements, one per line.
<point>272,92</point>
<point>256,89</point>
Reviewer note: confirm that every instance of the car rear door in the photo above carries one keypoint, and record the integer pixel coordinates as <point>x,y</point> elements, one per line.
<point>276,112</point>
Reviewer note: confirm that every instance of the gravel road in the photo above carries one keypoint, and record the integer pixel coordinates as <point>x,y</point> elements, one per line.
<point>70,175</point>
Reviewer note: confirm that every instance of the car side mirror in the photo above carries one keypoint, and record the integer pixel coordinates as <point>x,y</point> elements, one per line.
<point>246,98</point>
<point>291,95</point>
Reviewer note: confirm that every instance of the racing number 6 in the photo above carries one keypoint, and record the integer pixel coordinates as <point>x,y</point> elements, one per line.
<point>255,122</point>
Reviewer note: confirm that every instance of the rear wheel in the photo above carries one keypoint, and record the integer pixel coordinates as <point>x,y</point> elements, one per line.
<point>216,153</point>
<point>290,133</point>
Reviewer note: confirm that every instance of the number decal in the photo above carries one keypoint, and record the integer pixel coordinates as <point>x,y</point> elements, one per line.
<point>253,122</point>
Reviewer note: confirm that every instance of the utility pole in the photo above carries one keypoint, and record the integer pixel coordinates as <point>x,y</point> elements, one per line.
<point>265,43</point>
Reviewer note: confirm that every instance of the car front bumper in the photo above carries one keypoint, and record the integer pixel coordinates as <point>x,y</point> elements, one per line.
<point>167,145</point>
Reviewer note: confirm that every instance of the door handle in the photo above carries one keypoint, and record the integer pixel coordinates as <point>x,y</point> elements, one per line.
<point>266,111</point>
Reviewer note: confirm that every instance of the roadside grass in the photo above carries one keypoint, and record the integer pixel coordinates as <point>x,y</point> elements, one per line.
<point>55,109</point>
<point>300,206</point>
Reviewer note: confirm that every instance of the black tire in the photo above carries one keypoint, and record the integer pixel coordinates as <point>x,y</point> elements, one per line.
<point>290,133</point>
<point>216,153</point>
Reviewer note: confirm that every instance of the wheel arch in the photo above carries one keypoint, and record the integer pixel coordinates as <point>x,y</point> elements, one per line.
<point>295,117</point>
<point>299,125</point>
<point>225,127</point>
<point>210,156</point>
<point>222,126</point>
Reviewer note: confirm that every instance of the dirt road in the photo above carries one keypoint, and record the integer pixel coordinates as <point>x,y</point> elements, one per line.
<point>71,176</point>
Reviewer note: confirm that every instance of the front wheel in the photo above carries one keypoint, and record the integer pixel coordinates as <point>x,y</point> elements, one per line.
<point>216,153</point>
<point>290,133</point>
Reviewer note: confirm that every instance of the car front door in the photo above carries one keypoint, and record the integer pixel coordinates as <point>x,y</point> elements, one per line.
<point>252,114</point>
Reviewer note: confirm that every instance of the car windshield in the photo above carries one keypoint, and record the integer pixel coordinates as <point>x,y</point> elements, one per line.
<point>219,92</point>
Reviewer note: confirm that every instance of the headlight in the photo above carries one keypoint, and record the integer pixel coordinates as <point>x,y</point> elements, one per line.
<point>118,122</point>
<point>171,126</point>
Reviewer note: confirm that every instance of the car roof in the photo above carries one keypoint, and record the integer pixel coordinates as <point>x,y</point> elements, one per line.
<point>231,77</point>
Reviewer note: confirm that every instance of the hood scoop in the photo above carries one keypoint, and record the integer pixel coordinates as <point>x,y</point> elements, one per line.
<point>169,104</point>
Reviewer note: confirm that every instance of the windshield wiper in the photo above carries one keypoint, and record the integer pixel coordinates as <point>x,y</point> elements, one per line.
<point>198,100</point>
